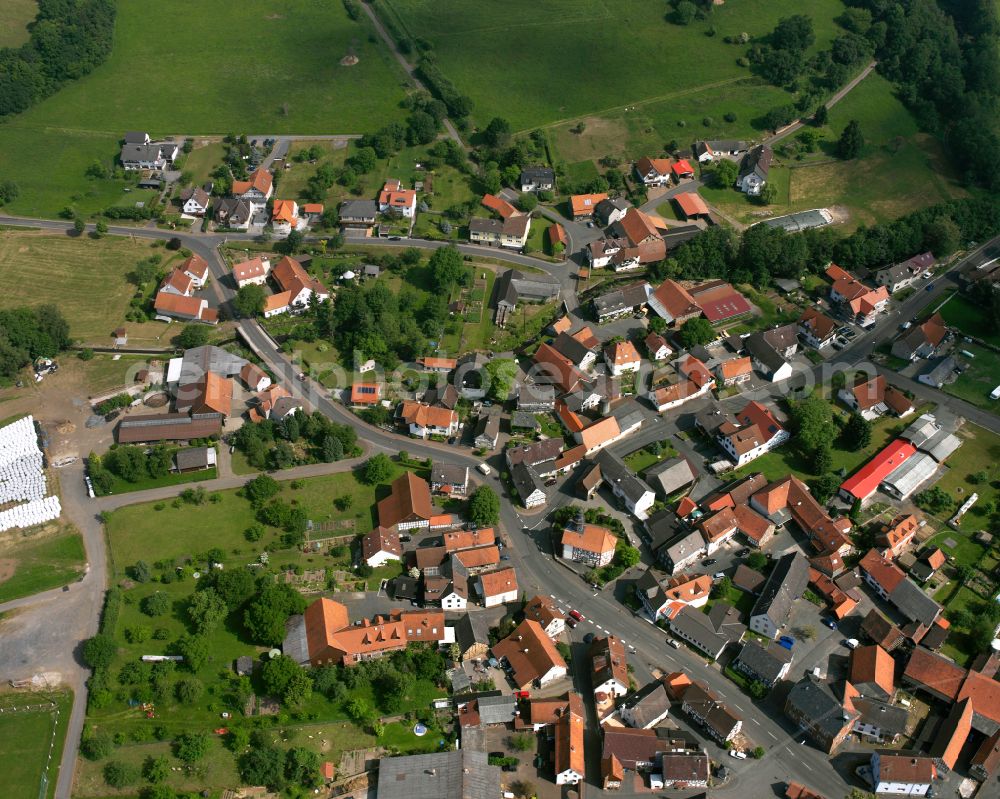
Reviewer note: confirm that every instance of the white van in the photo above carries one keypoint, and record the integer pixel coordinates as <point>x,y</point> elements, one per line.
<point>483,468</point>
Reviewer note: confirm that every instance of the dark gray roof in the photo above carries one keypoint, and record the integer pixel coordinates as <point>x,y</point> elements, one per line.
<point>628,414</point>
<point>784,585</point>
<point>192,458</point>
<point>711,631</point>
<point>678,235</point>
<point>815,701</point>
<point>471,629</point>
<point>765,664</point>
<point>480,224</point>
<point>405,587</point>
<point>449,473</point>
<point>616,301</point>
<point>136,137</point>
<point>446,396</point>
<point>537,174</point>
<point>200,360</point>
<point>295,644</point>
<point>514,285</point>
<point>757,161</point>
<point>146,152</point>
<point>358,209</point>
<point>233,210</point>
<point>526,480</point>
<point>456,774</point>
<point>649,703</point>
<point>496,709</point>
<point>890,719</point>
<point>566,345</point>
<point>712,418</point>
<point>524,420</point>
<point>535,394</point>
<point>761,351</point>
<point>914,603</point>
<point>782,337</point>
<point>670,475</point>
<point>684,544</point>
<point>488,426</point>
<point>536,453</point>
<point>616,473</point>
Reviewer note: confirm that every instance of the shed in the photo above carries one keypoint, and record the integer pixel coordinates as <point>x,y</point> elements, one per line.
<point>244,665</point>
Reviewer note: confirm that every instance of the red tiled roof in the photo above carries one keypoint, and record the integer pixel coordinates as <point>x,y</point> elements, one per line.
<point>366,393</point>
<point>681,167</point>
<point>720,302</point>
<point>584,204</point>
<point>691,203</point>
<point>567,376</point>
<point>872,664</point>
<point>409,496</point>
<point>499,206</point>
<point>935,673</point>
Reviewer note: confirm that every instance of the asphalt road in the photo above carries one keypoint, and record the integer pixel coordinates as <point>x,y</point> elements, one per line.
<point>530,552</point>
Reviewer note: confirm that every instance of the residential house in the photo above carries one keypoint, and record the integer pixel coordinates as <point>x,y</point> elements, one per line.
<point>487,430</point>
<point>902,275</point>
<point>142,153</point>
<point>457,541</point>
<point>632,749</point>
<point>635,495</point>
<point>397,201</point>
<point>707,151</point>
<point>365,395</point>
<point>530,655</point>
<point>789,499</point>
<point>671,475</point>
<point>544,611</point>
<point>568,745</point>
<point>894,537</point>
<point>892,585</point>
<point>683,770</point>
<point>864,303</point>
<point>541,455</point>
<point>580,349</point>
<point>664,599</point>
<point>873,672</point>
<point>177,283</point>
<point>643,232</point>
<point>472,637</point>
<point>358,214</point>
<point>711,713</point>
<point>253,272</point>
<point>755,431</point>
<point>285,217</point>
<point>785,584</point>
<point>734,371</point>
<point>590,544</point>
<point>718,529</point>
<point>678,551</point>
<point>499,206</point>
<point>708,632</point>
<point>188,309</point>
<point>626,301</point>
<point>816,328</point>
<point>498,587</point>
<point>535,398</point>
<point>610,210</point>
<point>233,213</point>
<point>583,206</point>
<point>194,201</point>
<point>514,286</point>
<point>511,232</point>
<point>323,635</point>
<point>895,773</point>
<point>196,268</point>
<point>622,357</point>
<point>942,373</point>
<point>812,705</point>
<point>881,631</point>
<point>427,420</point>
<point>691,205</point>
<point>922,340</point>
<point>298,288</point>
<point>408,505</point>
<point>528,485</point>
<point>766,665</point>
<point>380,546</point>
<point>927,564</point>
<point>657,347</point>
<point>256,190</point>
<point>754,169</point>
<point>647,707</point>
<point>653,171</point>
<point>608,667</point>
<point>874,397</point>
<point>537,178</point>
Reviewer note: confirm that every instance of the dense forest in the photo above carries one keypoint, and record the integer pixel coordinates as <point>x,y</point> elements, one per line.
<point>67,40</point>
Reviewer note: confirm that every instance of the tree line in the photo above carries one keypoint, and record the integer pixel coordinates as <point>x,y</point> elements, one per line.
<point>67,39</point>
<point>761,253</point>
<point>29,333</point>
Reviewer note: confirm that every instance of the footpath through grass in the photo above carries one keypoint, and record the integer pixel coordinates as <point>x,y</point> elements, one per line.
<point>38,564</point>
<point>31,742</point>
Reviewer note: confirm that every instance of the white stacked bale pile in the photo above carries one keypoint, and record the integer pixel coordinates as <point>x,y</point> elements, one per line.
<point>22,478</point>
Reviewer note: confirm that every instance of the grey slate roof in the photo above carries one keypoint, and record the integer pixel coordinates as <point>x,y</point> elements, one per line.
<point>670,475</point>
<point>681,547</point>
<point>535,394</point>
<point>616,301</point>
<point>663,526</point>
<point>648,704</point>
<point>890,719</point>
<point>615,472</point>
<point>914,603</point>
<point>814,700</point>
<point>295,644</point>
<point>198,361</point>
<point>566,345</point>
<point>537,174</point>
<point>761,351</point>
<point>764,664</point>
<point>458,774</point>
<point>450,474</point>
<point>628,414</point>
<point>524,420</point>
<point>358,209</point>
<point>757,161</point>
<point>710,631</point>
<point>496,709</point>
<point>513,286</point>
<point>471,629</point>
<point>192,458</point>
<point>784,585</point>
<point>526,480</point>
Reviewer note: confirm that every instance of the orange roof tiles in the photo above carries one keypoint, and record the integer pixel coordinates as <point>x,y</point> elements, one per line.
<point>737,367</point>
<point>477,558</point>
<point>676,299</point>
<point>542,610</point>
<point>312,208</point>
<point>584,204</point>
<point>691,204</point>
<point>409,497</point>
<point>872,664</point>
<point>600,432</point>
<point>176,304</point>
<point>586,337</point>
<point>646,165</point>
<point>285,211</point>
<point>292,277</point>
<point>569,749</point>
<point>260,179</point>
<point>686,507</point>
<point>590,538</point>
<point>438,363</point>
<point>530,652</point>
<point>366,393</point>
<point>469,539</point>
<point>881,570</point>
<point>681,168</point>
<point>557,235</point>
<point>499,582</point>
<point>621,353</point>
<point>278,301</point>
<point>249,270</point>
<point>559,367</point>
<point>195,265</point>
<point>178,281</point>
<point>426,415</point>
<point>499,206</point>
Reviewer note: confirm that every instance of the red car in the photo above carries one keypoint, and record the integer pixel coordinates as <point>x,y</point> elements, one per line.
<point>522,694</point>
<point>576,615</point>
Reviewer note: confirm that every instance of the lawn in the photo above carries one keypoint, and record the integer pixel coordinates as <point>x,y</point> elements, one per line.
<point>14,18</point>
<point>86,278</point>
<point>980,378</point>
<point>120,486</point>
<point>292,83</point>
<point>642,459</point>
<point>104,373</point>
<point>538,64</point>
<point>41,560</point>
<point>980,451</point>
<point>202,160</point>
<point>969,317</point>
<point>30,738</point>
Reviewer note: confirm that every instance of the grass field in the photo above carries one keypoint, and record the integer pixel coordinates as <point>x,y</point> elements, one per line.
<point>980,378</point>
<point>103,373</point>
<point>538,64</point>
<point>970,318</point>
<point>83,276</point>
<point>292,82</point>
<point>27,738</point>
<point>980,451</point>
<point>40,562</point>
<point>14,18</point>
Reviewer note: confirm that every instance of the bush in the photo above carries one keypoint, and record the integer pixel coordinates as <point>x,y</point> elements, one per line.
<point>97,746</point>
<point>120,775</point>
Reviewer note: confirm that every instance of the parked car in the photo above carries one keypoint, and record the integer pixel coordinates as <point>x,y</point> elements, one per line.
<point>674,643</point>
<point>929,287</point>
<point>787,642</point>
<point>742,553</point>
<point>588,638</point>
<point>718,575</point>
<point>576,615</point>
<point>709,562</point>
<point>851,643</point>
<point>830,623</point>
<point>737,754</point>
<point>484,468</point>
